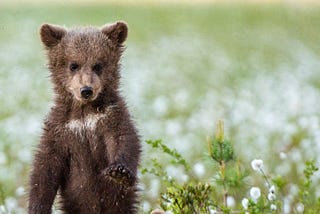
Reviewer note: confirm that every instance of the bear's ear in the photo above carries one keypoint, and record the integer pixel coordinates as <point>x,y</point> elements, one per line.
<point>51,35</point>
<point>117,32</point>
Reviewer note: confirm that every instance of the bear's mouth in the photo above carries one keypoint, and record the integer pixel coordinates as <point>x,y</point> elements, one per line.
<point>86,98</point>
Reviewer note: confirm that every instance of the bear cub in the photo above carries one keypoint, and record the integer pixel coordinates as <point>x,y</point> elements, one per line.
<point>89,150</point>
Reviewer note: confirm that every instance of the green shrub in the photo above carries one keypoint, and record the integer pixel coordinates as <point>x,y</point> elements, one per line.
<point>216,195</point>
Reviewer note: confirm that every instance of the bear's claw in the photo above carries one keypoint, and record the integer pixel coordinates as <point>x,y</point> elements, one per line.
<point>120,174</point>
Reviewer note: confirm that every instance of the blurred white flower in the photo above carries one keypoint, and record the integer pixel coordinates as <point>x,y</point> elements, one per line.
<point>199,169</point>
<point>3,158</point>
<point>154,188</point>
<point>296,155</point>
<point>176,173</point>
<point>11,203</point>
<point>160,105</point>
<point>273,207</point>
<point>146,206</point>
<point>212,211</point>
<point>286,206</point>
<point>2,209</point>
<point>20,191</point>
<point>24,154</point>
<point>173,127</point>
<point>257,164</point>
<point>230,201</point>
<point>271,196</point>
<point>293,189</point>
<point>272,189</point>
<point>300,208</point>
<point>282,155</point>
<point>255,193</point>
<point>245,203</point>
<point>184,178</point>
<point>272,193</point>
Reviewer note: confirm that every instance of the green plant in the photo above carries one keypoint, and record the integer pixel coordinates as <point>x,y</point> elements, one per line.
<point>306,190</point>
<point>192,197</point>
<point>207,197</point>
<point>230,175</point>
<point>196,196</point>
<point>2,195</point>
<point>189,198</point>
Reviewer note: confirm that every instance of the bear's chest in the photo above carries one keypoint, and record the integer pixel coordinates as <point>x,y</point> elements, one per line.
<point>87,144</point>
<point>87,126</point>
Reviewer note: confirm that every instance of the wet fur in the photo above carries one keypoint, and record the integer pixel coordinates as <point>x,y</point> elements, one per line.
<point>89,150</point>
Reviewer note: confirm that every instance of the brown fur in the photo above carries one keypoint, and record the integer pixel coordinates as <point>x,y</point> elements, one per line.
<point>89,149</point>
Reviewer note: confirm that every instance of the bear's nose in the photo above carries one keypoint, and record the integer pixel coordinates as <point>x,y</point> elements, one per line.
<point>86,92</point>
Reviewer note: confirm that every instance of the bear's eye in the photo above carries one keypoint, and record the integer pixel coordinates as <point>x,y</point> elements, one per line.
<point>97,68</point>
<point>74,66</point>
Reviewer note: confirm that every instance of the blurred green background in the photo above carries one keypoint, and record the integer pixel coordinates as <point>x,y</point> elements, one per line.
<point>256,66</point>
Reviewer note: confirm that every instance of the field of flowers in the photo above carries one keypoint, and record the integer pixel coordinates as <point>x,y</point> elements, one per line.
<point>185,67</point>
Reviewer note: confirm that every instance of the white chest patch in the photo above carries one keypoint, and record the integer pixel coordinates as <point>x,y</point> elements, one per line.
<point>89,123</point>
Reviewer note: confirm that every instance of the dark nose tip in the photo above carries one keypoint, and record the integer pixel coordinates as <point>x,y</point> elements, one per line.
<point>86,92</point>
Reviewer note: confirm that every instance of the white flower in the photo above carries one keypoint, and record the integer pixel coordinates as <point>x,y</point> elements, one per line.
<point>272,193</point>
<point>282,155</point>
<point>146,206</point>
<point>286,205</point>
<point>272,189</point>
<point>300,208</point>
<point>184,178</point>
<point>271,196</point>
<point>255,193</point>
<point>212,211</point>
<point>20,191</point>
<point>3,158</point>
<point>257,164</point>
<point>245,203</point>
<point>230,201</point>
<point>11,203</point>
<point>273,207</point>
<point>199,169</point>
<point>2,209</point>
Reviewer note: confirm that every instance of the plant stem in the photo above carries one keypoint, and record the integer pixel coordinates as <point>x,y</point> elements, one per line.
<point>225,198</point>
<point>265,178</point>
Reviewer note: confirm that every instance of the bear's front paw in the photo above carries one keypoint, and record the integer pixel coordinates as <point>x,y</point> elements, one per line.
<point>120,174</point>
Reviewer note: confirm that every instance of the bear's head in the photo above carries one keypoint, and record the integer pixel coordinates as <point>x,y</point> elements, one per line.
<point>84,62</point>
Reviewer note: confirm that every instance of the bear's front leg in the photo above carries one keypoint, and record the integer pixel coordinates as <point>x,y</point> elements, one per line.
<point>122,147</point>
<point>123,157</point>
